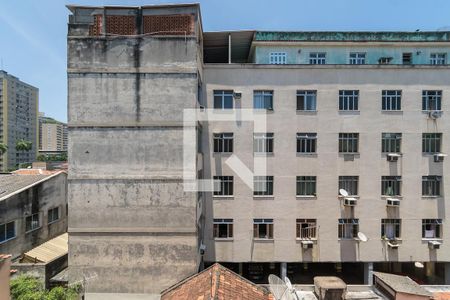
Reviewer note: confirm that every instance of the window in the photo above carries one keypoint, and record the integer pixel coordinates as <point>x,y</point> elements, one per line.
<point>357,58</point>
<point>431,100</point>
<point>431,228</point>
<point>307,100</point>
<point>306,185</point>
<point>438,58</point>
<point>278,58</point>
<point>32,222</point>
<point>7,231</point>
<point>223,185</point>
<point>306,228</point>
<point>263,142</point>
<point>348,142</point>
<point>263,185</point>
<point>348,228</point>
<point>390,228</point>
<point>223,142</point>
<point>431,142</point>
<point>306,142</point>
<point>263,100</point>
<point>223,99</point>
<point>391,100</point>
<point>350,184</point>
<point>263,228</point>
<point>391,142</point>
<point>390,185</point>
<point>348,100</point>
<point>317,58</point>
<point>431,185</point>
<point>407,58</point>
<point>53,215</point>
<point>223,228</point>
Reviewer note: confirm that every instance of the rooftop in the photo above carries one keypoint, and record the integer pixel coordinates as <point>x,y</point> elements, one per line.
<point>11,184</point>
<point>402,284</point>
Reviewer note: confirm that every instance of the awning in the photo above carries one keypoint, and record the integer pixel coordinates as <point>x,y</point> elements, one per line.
<point>48,251</point>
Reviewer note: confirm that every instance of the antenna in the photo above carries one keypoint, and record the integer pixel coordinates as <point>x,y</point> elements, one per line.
<point>362,237</point>
<point>419,265</point>
<point>278,288</point>
<point>343,192</point>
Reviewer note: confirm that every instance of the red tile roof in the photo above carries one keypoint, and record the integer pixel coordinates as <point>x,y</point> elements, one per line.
<point>218,283</point>
<point>441,296</point>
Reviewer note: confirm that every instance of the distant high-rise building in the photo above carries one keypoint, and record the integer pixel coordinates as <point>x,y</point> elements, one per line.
<point>18,119</point>
<point>52,135</point>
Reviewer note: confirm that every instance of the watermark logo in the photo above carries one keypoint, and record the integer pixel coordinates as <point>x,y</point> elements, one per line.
<point>200,122</point>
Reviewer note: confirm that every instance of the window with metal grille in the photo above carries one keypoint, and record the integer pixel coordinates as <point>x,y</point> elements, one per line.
<point>307,100</point>
<point>263,100</point>
<point>391,228</point>
<point>306,228</point>
<point>263,142</point>
<point>391,142</point>
<point>431,185</point>
<point>348,100</point>
<point>438,58</point>
<point>223,228</point>
<point>431,100</point>
<point>223,185</point>
<point>357,58</point>
<point>306,185</point>
<point>223,142</point>
<point>431,142</point>
<point>407,58</point>
<point>263,185</point>
<point>431,228</point>
<point>348,142</point>
<point>317,58</point>
<point>391,100</point>
<point>53,215</point>
<point>391,185</point>
<point>278,58</point>
<point>263,228</point>
<point>7,231</point>
<point>32,222</point>
<point>349,183</point>
<point>223,99</point>
<point>348,228</point>
<point>306,142</point>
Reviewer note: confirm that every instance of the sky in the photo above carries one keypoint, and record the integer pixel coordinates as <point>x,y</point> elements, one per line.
<point>33,32</point>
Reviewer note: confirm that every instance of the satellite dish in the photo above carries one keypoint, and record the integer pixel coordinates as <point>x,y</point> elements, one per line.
<point>362,237</point>
<point>343,192</point>
<point>288,283</point>
<point>277,287</point>
<point>418,264</point>
<point>291,293</point>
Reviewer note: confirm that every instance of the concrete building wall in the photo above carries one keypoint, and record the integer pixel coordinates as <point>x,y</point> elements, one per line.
<point>19,102</point>
<point>37,199</point>
<point>131,222</point>
<point>370,164</point>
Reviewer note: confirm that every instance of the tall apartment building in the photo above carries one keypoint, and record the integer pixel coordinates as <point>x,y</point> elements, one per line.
<point>19,119</point>
<point>52,135</point>
<point>354,150</point>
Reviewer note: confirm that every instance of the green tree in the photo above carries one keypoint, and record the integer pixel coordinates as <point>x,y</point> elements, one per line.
<point>23,145</point>
<point>29,288</point>
<point>3,148</point>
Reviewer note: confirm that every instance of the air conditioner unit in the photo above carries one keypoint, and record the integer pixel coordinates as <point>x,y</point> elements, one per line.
<point>393,245</point>
<point>434,245</point>
<point>350,201</point>
<point>435,114</point>
<point>307,244</point>
<point>439,157</point>
<point>392,202</point>
<point>392,156</point>
<point>237,95</point>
